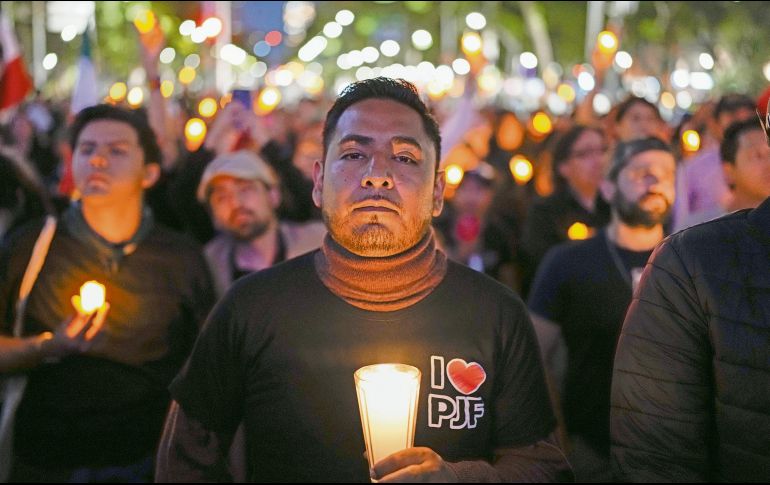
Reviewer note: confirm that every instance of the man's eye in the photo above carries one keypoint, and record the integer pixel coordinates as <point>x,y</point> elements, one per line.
<point>405,159</point>
<point>118,151</point>
<point>353,156</point>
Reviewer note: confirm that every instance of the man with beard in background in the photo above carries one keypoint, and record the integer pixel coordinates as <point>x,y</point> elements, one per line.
<point>582,291</point>
<point>243,194</point>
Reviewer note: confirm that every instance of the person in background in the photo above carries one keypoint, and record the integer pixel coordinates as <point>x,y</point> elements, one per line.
<point>575,209</point>
<point>701,184</point>
<point>746,166</point>
<point>242,194</point>
<point>691,380</point>
<point>583,288</point>
<point>637,118</point>
<point>97,387</point>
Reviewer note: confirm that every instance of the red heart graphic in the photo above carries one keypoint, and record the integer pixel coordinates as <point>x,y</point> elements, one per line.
<point>466,378</point>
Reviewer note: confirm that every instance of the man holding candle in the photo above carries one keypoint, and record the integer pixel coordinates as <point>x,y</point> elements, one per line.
<point>279,351</point>
<point>96,395</point>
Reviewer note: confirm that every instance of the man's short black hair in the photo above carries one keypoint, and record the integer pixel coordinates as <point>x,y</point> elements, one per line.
<point>729,147</point>
<point>624,106</point>
<point>138,121</point>
<point>397,90</point>
<point>625,151</point>
<point>733,102</point>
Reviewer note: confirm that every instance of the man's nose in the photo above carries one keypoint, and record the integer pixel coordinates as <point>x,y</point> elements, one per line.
<point>378,175</point>
<point>98,159</point>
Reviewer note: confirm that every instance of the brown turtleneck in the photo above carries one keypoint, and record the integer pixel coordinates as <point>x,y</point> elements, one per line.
<point>382,284</point>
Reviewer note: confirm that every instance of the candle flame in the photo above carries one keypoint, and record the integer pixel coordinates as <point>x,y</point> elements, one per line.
<point>92,296</point>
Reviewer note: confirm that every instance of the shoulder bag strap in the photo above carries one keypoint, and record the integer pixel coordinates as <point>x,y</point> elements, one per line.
<point>39,253</point>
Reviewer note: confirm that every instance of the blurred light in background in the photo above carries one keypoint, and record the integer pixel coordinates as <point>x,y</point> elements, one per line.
<point>135,97</point>
<point>194,133</point>
<point>471,43</point>
<point>541,123</point>
<point>521,169</point>
<point>528,60</point>
<point>454,174</point>
<point>268,99</point>
<point>332,30</point>
<point>566,92</point>
<point>167,88</point>
<point>145,21</point>
<point>212,27</point>
<point>167,55</point>
<point>706,61</point>
<point>475,21</point>
<point>607,42</point>
<point>422,40</point>
<point>118,91</point>
<point>578,232</point>
<point>344,17</point>
<point>691,141</point>
<point>461,66</point>
<point>207,107</point>
<point>623,60</point>
<point>186,75</point>
<point>390,48</point>
<point>50,60</point>
<point>602,104</point>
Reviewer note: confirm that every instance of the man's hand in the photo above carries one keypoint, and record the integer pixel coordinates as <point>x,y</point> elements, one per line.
<point>76,335</point>
<point>413,465</point>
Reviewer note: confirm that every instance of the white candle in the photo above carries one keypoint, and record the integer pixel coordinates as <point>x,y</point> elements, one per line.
<point>92,296</point>
<point>387,401</point>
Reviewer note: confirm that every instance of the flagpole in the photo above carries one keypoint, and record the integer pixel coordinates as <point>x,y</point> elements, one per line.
<point>40,75</point>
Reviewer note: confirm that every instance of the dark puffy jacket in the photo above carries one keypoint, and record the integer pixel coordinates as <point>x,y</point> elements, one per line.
<point>691,383</point>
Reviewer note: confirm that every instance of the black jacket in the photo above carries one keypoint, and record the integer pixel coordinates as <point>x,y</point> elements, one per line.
<point>691,384</point>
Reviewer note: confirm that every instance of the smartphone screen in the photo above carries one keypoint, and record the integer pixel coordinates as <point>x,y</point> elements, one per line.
<point>242,96</point>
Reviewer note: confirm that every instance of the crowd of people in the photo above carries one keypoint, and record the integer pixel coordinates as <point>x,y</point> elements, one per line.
<point>315,239</point>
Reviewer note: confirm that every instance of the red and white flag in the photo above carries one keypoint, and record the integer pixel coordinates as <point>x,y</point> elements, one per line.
<point>15,83</point>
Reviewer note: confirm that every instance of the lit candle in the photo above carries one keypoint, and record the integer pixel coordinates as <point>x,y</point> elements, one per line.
<point>387,402</point>
<point>92,296</point>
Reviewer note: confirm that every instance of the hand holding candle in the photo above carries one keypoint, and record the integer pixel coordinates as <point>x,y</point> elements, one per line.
<point>92,309</point>
<point>387,401</point>
<point>92,296</point>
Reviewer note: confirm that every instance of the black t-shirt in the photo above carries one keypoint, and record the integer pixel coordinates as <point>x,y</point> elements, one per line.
<point>548,224</point>
<point>580,287</point>
<point>107,406</point>
<point>279,352</point>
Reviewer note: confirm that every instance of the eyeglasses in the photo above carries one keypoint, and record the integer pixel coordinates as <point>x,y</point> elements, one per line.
<point>765,125</point>
<point>591,151</point>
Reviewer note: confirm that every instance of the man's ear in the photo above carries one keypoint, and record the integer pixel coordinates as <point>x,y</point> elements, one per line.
<point>438,193</point>
<point>274,195</point>
<point>729,170</point>
<point>608,189</point>
<point>151,175</point>
<point>318,182</point>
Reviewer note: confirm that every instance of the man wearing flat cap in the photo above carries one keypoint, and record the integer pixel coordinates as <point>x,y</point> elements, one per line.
<point>242,193</point>
<point>582,291</point>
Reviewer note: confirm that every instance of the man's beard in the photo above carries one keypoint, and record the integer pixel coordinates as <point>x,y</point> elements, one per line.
<point>251,230</point>
<point>374,239</point>
<point>632,214</point>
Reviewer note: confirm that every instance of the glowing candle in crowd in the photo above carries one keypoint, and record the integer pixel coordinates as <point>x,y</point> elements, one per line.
<point>92,296</point>
<point>578,232</point>
<point>387,402</point>
<point>691,140</point>
<point>521,169</point>
<point>454,174</point>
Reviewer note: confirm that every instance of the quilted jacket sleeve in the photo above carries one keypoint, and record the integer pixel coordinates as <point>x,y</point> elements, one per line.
<point>661,391</point>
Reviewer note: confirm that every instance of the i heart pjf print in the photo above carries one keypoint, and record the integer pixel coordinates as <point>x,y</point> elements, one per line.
<point>465,377</point>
